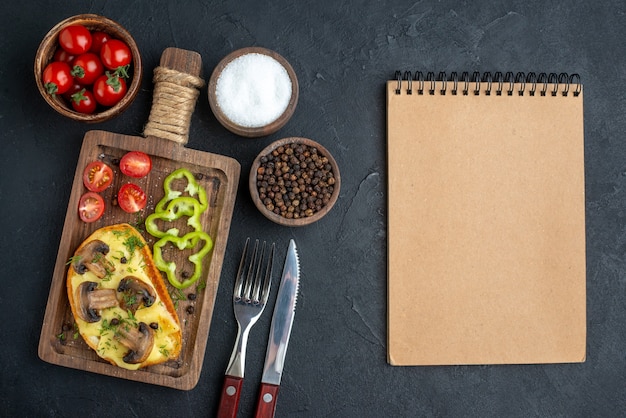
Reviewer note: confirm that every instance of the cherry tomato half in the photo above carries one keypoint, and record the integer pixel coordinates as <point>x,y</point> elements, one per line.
<point>75,39</point>
<point>90,207</point>
<point>109,90</point>
<point>83,101</point>
<point>97,176</point>
<point>86,68</point>
<point>57,77</point>
<point>98,39</point>
<point>131,198</point>
<point>136,164</point>
<point>115,53</point>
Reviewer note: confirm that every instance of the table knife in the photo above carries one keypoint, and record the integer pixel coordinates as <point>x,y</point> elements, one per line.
<point>280,331</point>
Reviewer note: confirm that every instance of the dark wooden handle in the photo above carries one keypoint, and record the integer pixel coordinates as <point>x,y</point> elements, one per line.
<point>183,60</point>
<point>229,402</point>
<point>266,404</point>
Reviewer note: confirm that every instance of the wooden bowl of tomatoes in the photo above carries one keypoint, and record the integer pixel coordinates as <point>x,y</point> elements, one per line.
<point>88,68</point>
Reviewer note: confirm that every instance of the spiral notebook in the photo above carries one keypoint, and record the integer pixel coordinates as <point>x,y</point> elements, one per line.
<point>486,219</point>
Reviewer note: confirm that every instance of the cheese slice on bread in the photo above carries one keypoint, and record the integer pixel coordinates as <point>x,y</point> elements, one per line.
<point>120,303</point>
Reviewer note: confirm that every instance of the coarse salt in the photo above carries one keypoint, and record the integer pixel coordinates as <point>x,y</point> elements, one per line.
<point>253,90</point>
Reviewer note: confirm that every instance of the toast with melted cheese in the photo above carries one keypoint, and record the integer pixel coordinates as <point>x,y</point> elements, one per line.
<point>119,301</point>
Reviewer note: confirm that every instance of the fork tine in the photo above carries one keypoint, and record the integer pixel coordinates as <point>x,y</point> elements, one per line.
<point>247,292</point>
<point>240,272</point>
<point>268,276</point>
<point>257,276</point>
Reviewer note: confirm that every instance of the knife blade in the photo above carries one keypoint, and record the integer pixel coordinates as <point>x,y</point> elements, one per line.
<point>280,330</point>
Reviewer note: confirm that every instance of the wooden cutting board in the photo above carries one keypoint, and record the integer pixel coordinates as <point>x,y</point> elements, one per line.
<point>219,175</point>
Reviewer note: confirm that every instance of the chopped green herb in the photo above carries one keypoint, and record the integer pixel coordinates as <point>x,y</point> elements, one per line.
<point>131,318</point>
<point>119,234</point>
<point>75,258</point>
<point>177,295</point>
<point>108,276</point>
<point>106,327</point>
<point>121,255</point>
<point>97,257</point>
<point>164,351</point>
<point>132,243</point>
<point>129,299</point>
<point>139,221</point>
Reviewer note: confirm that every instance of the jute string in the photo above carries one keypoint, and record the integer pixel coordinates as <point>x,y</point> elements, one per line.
<point>174,100</point>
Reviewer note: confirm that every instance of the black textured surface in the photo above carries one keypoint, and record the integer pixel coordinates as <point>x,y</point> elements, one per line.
<point>342,53</point>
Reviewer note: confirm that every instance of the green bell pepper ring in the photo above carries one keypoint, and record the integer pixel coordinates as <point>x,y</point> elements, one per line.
<point>186,241</point>
<point>177,208</point>
<point>193,188</point>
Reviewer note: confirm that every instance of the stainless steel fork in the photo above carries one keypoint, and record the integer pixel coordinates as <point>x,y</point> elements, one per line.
<point>250,295</point>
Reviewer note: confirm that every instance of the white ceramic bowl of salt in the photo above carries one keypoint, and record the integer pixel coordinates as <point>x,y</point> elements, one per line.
<point>253,92</point>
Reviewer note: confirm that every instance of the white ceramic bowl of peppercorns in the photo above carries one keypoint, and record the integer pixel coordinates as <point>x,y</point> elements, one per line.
<point>294,181</point>
<point>88,68</point>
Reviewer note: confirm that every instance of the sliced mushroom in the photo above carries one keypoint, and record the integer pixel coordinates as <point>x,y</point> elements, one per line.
<point>134,293</point>
<point>92,257</point>
<point>90,301</point>
<point>138,340</point>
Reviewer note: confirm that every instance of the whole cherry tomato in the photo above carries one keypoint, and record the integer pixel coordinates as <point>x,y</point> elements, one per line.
<point>84,101</point>
<point>57,77</point>
<point>108,90</point>
<point>62,55</point>
<point>86,68</point>
<point>98,39</point>
<point>115,54</point>
<point>74,88</point>
<point>75,39</point>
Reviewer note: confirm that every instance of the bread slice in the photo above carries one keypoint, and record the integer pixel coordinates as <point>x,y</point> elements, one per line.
<point>120,303</point>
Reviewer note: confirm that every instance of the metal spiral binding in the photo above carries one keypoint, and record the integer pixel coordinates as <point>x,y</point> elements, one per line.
<point>487,83</point>
<point>455,81</point>
<point>543,79</point>
<point>508,78</point>
<point>430,76</point>
<point>531,78</point>
<point>420,80</point>
<point>486,78</point>
<point>465,79</point>
<point>520,79</point>
<point>444,85</point>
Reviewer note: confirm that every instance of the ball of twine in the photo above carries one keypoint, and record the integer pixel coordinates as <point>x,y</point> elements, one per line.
<point>174,99</point>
